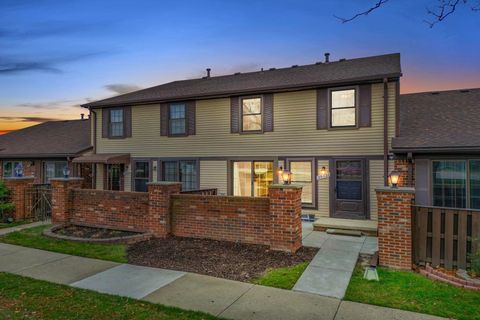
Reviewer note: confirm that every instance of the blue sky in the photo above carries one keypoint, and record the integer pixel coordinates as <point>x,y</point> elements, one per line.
<point>55,55</point>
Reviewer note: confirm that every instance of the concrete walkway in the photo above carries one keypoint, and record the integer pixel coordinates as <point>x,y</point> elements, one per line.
<point>225,298</point>
<point>329,272</point>
<point>23,226</point>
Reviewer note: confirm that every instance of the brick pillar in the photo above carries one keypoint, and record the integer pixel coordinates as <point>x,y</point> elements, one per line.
<point>61,198</point>
<point>286,220</point>
<point>407,173</point>
<point>17,187</point>
<point>158,217</point>
<point>395,226</point>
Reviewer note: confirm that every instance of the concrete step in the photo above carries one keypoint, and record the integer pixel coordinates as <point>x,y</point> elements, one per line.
<point>353,233</point>
<point>366,227</point>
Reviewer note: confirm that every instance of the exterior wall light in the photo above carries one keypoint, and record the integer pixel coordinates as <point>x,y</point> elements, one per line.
<point>394,177</point>
<point>66,172</point>
<point>324,173</point>
<point>287,177</point>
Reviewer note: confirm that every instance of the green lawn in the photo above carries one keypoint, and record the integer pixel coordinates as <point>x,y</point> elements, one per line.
<point>283,278</point>
<point>33,238</point>
<point>414,292</point>
<point>26,298</point>
<point>13,224</point>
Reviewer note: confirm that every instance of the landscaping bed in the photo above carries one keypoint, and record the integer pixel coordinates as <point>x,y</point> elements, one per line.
<point>222,259</point>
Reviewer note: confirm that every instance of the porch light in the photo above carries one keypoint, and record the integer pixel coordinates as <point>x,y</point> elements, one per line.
<point>286,177</point>
<point>394,177</point>
<point>66,172</point>
<point>19,170</point>
<point>323,173</point>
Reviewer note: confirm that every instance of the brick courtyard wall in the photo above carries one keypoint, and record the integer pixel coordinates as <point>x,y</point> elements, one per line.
<point>243,219</point>
<point>17,187</point>
<point>273,220</point>
<point>407,179</point>
<point>395,226</point>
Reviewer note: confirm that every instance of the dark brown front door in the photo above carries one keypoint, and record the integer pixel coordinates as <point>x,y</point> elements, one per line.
<point>349,196</point>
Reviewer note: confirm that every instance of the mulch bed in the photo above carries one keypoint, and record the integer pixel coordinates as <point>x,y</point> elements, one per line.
<point>92,232</point>
<point>222,259</point>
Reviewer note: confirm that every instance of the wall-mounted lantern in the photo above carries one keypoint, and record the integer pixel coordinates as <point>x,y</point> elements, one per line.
<point>287,177</point>
<point>323,173</point>
<point>66,172</point>
<point>394,177</point>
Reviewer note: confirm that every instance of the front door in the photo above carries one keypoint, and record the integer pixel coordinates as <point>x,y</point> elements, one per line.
<point>349,189</point>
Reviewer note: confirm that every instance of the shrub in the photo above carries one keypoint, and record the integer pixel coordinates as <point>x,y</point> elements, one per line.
<point>6,207</point>
<point>475,262</point>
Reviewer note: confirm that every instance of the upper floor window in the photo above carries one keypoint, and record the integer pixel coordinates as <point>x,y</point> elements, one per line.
<point>251,114</point>
<point>177,119</point>
<point>343,108</point>
<point>116,123</point>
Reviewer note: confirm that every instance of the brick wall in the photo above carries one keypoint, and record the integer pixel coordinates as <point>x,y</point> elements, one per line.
<point>407,173</point>
<point>274,221</point>
<point>395,226</point>
<point>244,219</point>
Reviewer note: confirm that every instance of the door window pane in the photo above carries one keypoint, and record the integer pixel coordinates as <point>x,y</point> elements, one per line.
<point>302,175</point>
<point>170,171</point>
<point>141,175</point>
<point>263,177</point>
<point>449,183</point>
<point>114,176</point>
<point>242,179</point>
<point>349,180</point>
<point>188,175</point>
<point>475,184</point>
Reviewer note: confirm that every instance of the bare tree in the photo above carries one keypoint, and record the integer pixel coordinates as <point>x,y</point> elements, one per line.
<point>442,10</point>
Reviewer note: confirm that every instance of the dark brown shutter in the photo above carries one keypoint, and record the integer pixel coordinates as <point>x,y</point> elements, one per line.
<point>191,117</point>
<point>322,109</point>
<point>127,121</point>
<point>422,179</point>
<point>365,106</point>
<point>105,120</point>
<point>268,112</point>
<point>234,115</point>
<point>164,119</point>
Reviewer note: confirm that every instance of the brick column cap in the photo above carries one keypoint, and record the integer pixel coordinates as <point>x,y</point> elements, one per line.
<point>163,183</point>
<point>19,178</point>
<point>66,179</point>
<point>284,186</point>
<point>398,189</point>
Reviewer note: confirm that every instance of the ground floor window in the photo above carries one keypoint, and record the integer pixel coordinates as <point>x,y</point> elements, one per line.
<point>141,175</point>
<point>54,169</point>
<point>114,177</point>
<point>184,171</point>
<point>456,183</point>
<point>252,178</point>
<point>302,175</point>
<point>9,168</point>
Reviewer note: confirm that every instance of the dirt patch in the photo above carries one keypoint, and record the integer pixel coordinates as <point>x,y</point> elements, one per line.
<point>222,259</point>
<point>92,232</point>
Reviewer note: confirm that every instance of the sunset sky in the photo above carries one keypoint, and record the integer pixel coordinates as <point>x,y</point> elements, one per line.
<point>56,55</point>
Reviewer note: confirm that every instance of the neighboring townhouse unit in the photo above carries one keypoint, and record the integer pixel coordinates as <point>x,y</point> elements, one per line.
<point>235,132</point>
<point>438,147</point>
<point>44,150</point>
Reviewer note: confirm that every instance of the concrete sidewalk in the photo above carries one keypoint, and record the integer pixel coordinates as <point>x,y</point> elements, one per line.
<point>225,298</point>
<point>23,226</point>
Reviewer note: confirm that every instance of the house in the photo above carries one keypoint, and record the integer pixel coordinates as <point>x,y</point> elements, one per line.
<point>438,147</point>
<point>329,123</point>
<point>44,150</point>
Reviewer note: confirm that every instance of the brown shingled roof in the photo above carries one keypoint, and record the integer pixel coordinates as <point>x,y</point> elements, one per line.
<point>439,121</point>
<point>344,71</point>
<point>48,139</point>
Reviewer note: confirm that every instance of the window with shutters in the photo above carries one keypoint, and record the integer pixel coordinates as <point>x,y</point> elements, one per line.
<point>177,120</point>
<point>251,111</point>
<point>343,108</point>
<point>116,123</point>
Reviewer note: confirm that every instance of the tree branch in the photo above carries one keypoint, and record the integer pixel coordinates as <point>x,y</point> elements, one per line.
<point>445,8</point>
<point>364,13</point>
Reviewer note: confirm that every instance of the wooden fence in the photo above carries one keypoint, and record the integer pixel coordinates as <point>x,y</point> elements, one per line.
<point>445,236</point>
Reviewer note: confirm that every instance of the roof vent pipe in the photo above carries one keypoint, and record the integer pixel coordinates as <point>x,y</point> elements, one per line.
<point>82,116</point>
<point>327,57</point>
<point>208,72</point>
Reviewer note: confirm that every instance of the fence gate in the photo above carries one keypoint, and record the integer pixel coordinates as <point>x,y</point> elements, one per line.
<point>38,202</point>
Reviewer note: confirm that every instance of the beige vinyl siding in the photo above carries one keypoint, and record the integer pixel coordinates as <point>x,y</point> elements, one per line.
<point>294,134</point>
<point>99,176</point>
<point>376,181</point>
<point>213,174</point>
<point>323,194</point>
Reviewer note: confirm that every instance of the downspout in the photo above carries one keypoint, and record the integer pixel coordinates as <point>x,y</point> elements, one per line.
<point>385,132</point>
<point>94,166</point>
